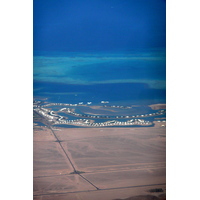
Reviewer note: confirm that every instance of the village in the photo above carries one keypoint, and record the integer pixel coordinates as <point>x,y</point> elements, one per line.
<point>89,120</point>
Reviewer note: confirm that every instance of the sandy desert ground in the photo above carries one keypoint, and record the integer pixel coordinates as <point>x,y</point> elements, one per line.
<point>112,163</point>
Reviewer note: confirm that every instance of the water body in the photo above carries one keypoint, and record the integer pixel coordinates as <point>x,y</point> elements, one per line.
<point>39,123</point>
<point>123,78</point>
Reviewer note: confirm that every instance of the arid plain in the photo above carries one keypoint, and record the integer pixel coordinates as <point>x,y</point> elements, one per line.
<point>99,163</point>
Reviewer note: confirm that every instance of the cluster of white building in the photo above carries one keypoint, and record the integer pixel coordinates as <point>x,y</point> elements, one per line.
<point>44,112</point>
<point>66,104</point>
<point>78,122</point>
<point>161,121</point>
<point>58,119</point>
<point>104,101</point>
<point>85,122</point>
<point>59,104</point>
<point>113,106</point>
<point>69,111</point>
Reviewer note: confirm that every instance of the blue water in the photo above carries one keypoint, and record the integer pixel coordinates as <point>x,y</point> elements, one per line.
<point>120,78</point>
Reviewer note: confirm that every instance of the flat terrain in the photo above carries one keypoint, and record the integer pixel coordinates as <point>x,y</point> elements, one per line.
<point>157,106</point>
<point>112,163</point>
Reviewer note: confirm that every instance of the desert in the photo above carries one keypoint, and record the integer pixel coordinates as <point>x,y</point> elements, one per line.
<point>99,163</point>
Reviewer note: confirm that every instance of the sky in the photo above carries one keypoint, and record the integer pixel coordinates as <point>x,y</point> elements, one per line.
<point>98,25</point>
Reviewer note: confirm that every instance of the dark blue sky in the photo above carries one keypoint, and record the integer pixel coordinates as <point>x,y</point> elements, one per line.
<point>98,25</point>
